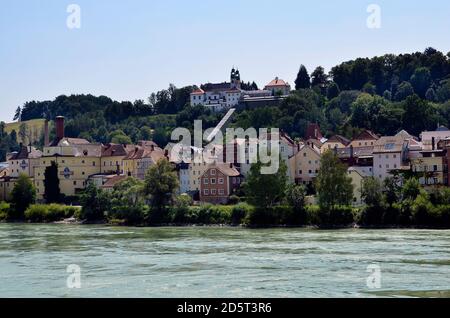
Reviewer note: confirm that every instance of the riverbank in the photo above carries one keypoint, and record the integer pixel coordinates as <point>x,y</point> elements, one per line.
<point>245,215</point>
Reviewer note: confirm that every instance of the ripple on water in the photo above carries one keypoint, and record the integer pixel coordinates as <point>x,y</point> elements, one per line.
<point>221,262</point>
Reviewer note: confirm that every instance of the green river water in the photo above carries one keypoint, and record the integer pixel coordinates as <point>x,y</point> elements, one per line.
<point>221,262</point>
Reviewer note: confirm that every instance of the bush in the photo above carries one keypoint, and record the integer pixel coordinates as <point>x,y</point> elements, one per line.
<point>234,199</point>
<point>339,216</point>
<point>4,211</point>
<point>210,214</point>
<point>278,215</point>
<point>50,212</point>
<point>239,213</point>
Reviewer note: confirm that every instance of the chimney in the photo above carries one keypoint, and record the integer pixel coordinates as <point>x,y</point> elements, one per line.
<point>59,127</point>
<point>46,134</point>
<point>153,147</point>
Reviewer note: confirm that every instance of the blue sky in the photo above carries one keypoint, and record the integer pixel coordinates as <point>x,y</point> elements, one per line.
<point>128,49</point>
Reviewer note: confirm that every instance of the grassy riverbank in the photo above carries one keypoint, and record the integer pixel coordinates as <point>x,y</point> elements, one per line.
<point>247,215</point>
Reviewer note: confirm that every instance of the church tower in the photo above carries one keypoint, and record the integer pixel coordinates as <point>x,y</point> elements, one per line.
<point>235,79</point>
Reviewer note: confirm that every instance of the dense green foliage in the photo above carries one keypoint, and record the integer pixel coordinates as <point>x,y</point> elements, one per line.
<point>266,190</point>
<point>50,212</point>
<point>333,185</point>
<point>52,192</point>
<point>404,205</point>
<point>22,196</point>
<point>8,142</point>
<point>128,202</point>
<point>95,203</point>
<point>161,183</point>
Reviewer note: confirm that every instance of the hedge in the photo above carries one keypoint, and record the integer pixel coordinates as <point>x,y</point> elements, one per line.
<point>50,212</point>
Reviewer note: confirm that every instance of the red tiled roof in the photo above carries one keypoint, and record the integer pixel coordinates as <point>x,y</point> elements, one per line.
<point>367,135</point>
<point>277,82</point>
<point>113,181</point>
<point>341,139</point>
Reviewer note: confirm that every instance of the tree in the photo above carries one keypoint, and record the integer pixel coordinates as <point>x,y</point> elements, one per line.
<point>372,192</point>
<point>266,190</point>
<point>391,190</point>
<point>17,114</point>
<point>411,190</point>
<point>333,184</point>
<point>421,80</point>
<point>146,133</point>
<point>303,80</point>
<point>24,133</point>
<point>418,115</point>
<point>161,183</point>
<point>52,192</point>
<point>404,90</point>
<point>127,201</point>
<point>318,77</point>
<point>22,196</point>
<point>295,196</point>
<point>95,203</point>
<point>333,90</point>
<point>431,95</point>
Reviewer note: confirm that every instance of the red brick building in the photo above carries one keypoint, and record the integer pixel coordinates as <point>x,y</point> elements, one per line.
<point>218,183</point>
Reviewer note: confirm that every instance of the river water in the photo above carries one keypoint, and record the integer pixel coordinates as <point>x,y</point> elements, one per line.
<point>221,262</point>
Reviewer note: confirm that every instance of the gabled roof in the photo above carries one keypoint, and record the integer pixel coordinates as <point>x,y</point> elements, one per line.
<point>113,181</point>
<point>142,152</point>
<point>225,169</point>
<point>198,92</point>
<point>69,142</point>
<point>277,82</point>
<point>366,135</point>
<point>341,139</point>
<point>404,134</point>
<point>26,153</point>
<point>112,150</point>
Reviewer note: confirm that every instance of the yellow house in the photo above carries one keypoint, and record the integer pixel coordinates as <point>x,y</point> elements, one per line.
<point>23,162</point>
<point>335,142</point>
<point>77,160</point>
<point>430,167</point>
<point>6,186</point>
<point>140,159</point>
<point>365,139</point>
<point>357,174</point>
<point>113,156</point>
<point>304,166</point>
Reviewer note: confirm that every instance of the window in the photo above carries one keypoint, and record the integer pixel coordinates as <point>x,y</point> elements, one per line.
<point>213,172</point>
<point>93,163</point>
<point>213,181</point>
<point>213,192</point>
<point>300,172</point>
<point>220,180</point>
<point>435,168</point>
<point>206,181</point>
<point>206,192</point>
<point>74,183</point>
<point>221,192</point>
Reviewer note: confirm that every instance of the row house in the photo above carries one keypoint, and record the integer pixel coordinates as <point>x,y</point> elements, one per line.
<point>218,183</point>
<point>141,158</point>
<point>304,166</point>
